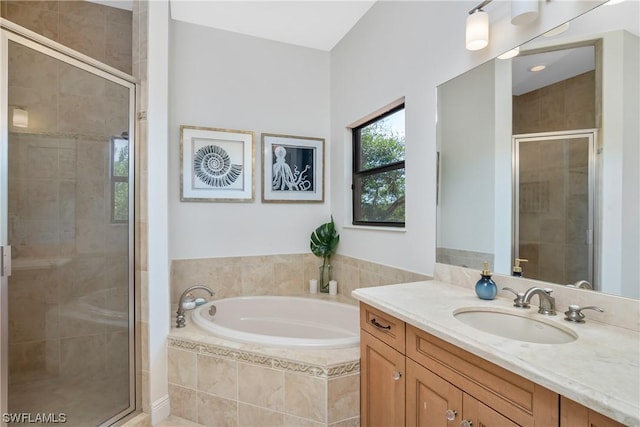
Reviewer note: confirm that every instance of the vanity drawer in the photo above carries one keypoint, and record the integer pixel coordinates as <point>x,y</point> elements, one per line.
<point>517,398</point>
<point>386,328</point>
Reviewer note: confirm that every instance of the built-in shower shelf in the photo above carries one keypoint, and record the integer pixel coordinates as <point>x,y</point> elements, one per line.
<point>38,263</point>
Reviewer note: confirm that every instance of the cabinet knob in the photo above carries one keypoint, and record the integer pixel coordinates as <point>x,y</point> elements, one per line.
<point>397,376</point>
<point>466,423</point>
<point>451,414</point>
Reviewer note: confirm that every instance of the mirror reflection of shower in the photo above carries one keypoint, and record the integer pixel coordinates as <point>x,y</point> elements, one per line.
<point>554,100</point>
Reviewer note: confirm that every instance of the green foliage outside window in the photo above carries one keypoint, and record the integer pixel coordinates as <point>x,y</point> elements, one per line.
<point>380,180</point>
<point>120,180</point>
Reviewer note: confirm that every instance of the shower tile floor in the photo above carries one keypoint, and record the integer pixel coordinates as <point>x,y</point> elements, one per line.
<point>86,401</point>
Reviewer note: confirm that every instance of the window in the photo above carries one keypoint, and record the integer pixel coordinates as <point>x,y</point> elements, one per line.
<point>378,170</point>
<point>119,179</point>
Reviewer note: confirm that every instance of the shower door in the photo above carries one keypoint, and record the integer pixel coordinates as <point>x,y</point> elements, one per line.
<point>554,205</point>
<point>66,212</point>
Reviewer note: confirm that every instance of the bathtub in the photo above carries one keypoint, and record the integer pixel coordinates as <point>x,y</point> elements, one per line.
<point>281,321</point>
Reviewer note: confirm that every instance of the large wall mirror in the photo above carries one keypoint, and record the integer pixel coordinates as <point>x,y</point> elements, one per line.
<point>544,165</point>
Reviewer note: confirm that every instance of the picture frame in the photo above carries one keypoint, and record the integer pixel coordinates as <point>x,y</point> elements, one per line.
<point>216,165</point>
<point>292,169</point>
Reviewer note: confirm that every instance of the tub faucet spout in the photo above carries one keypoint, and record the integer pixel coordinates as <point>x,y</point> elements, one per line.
<point>180,318</point>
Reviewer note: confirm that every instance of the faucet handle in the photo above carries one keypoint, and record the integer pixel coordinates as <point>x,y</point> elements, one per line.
<point>574,314</point>
<point>519,299</point>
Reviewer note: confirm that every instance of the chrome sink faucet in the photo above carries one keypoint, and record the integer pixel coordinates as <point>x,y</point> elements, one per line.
<point>547,302</point>
<point>180,318</point>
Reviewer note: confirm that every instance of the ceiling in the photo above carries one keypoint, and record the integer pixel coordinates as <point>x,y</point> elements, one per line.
<point>309,23</point>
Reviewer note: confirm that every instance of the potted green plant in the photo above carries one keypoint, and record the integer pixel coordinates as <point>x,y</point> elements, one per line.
<point>324,241</point>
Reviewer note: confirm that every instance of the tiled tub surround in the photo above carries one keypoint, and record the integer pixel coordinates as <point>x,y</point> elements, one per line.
<point>213,381</point>
<point>599,370</point>
<point>286,274</point>
<point>217,382</point>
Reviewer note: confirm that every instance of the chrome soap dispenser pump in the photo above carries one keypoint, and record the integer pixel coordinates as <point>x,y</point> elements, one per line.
<point>485,287</point>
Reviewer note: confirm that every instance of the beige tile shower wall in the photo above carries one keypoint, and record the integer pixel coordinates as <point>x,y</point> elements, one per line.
<point>279,274</point>
<point>567,105</point>
<point>101,32</point>
<point>59,210</point>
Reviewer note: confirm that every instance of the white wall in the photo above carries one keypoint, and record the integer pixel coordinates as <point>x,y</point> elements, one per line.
<point>226,80</point>
<point>157,205</point>
<point>407,49</point>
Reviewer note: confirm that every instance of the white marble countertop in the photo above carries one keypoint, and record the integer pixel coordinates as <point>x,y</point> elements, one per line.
<point>600,369</point>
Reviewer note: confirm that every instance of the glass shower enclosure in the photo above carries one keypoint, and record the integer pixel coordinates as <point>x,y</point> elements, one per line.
<point>66,229</point>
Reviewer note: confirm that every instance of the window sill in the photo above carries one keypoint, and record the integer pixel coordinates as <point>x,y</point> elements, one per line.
<point>372,228</point>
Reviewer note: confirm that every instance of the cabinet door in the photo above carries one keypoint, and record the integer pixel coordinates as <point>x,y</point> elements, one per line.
<point>573,414</point>
<point>382,383</point>
<point>430,399</point>
<point>480,415</point>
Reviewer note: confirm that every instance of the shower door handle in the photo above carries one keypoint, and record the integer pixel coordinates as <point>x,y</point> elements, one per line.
<point>5,261</point>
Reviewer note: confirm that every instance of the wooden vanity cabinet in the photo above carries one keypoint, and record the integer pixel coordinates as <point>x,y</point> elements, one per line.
<point>382,369</point>
<point>409,377</point>
<point>573,414</point>
<point>434,402</point>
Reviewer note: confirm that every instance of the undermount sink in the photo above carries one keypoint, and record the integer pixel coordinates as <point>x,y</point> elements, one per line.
<point>514,326</point>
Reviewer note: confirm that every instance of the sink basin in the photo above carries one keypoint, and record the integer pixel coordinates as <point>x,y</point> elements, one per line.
<point>515,326</point>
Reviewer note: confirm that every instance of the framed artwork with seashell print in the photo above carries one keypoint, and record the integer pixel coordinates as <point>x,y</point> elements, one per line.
<point>292,169</point>
<point>216,165</point>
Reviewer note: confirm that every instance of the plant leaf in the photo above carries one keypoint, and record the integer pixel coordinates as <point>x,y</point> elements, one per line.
<point>324,240</point>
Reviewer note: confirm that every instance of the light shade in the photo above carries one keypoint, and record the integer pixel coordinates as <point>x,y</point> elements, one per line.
<point>20,118</point>
<point>477,34</point>
<point>523,11</point>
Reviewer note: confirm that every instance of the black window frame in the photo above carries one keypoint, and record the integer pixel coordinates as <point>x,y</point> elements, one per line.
<point>358,173</point>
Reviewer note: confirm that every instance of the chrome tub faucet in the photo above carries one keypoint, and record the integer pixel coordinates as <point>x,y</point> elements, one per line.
<point>180,318</point>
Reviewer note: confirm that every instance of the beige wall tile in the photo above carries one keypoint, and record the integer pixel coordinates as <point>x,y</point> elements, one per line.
<point>182,367</point>
<point>82,356</point>
<point>261,386</point>
<point>217,376</point>
<point>305,397</point>
<point>144,385</point>
<point>249,415</point>
<point>118,353</point>
<point>293,421</point>
<point>343,395</point>
<point>40,20</point>
<point>216,411</point>
<point>183,402</point>
<point>353,422</point>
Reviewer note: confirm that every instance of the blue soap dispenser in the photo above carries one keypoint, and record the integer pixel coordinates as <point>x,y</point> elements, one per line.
<point>485,287</point>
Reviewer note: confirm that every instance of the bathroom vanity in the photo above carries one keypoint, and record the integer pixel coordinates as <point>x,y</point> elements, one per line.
<point>422,366</point>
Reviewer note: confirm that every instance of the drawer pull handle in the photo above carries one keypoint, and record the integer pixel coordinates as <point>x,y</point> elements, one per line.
<point>397,376</point>
<point>451,414</point>
<point>466,423</point>
<point>375,323</point>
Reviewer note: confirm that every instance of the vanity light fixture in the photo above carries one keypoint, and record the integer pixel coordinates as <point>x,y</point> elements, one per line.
<point>477,29</point>
<point>537,68</point>
<point>523,12</point>
<point>20,118</point>
<point>510,53</point>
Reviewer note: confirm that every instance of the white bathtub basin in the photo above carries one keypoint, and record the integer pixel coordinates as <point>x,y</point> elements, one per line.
<point>282,321</point>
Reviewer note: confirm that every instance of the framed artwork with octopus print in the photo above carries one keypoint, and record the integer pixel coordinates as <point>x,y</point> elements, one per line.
<point>292,169</point>
<point>216,165</point>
